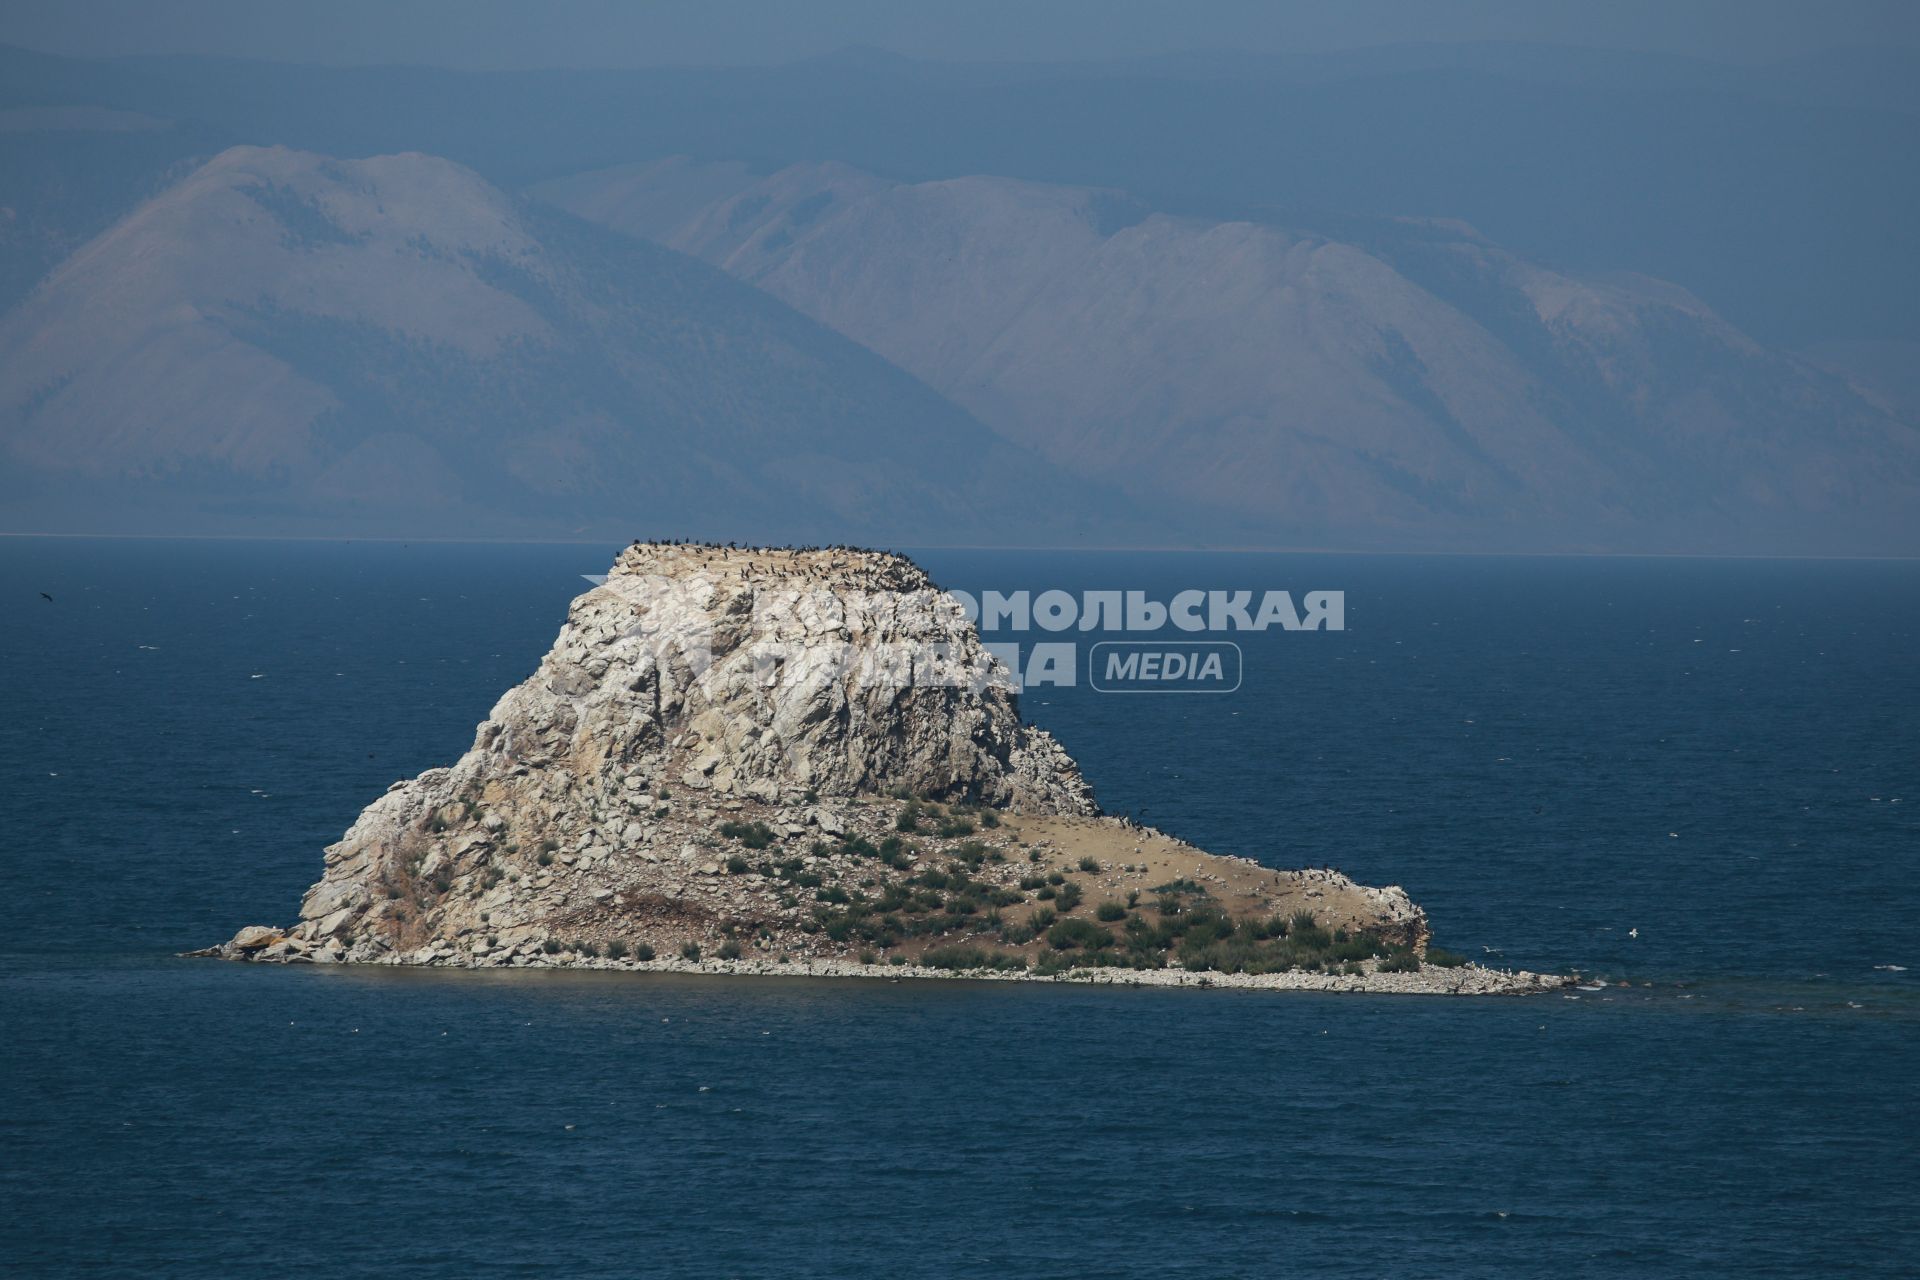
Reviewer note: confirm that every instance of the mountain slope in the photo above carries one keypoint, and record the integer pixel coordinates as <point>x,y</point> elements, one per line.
<point>68,173</point>
<point>1786,204</point>
<point>285,342</point>
<point>1374,382</point>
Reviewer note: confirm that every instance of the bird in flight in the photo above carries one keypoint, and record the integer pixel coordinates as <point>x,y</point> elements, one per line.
<point>46,597</point>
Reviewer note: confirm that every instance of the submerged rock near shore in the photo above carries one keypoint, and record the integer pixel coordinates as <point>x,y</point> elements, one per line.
<point>793,761</point>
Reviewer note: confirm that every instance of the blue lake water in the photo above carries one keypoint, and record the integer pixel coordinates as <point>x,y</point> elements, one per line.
<point>1721,755</point>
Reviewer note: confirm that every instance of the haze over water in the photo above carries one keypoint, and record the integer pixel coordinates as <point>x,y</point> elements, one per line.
<point>1547,753</point>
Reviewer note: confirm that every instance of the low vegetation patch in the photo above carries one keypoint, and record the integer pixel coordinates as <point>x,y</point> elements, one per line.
<point>1070,934</point>
<point>971,958</point>
<point>754,835</point>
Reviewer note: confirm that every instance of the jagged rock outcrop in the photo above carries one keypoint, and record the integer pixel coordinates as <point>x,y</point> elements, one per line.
<point>807,754</point>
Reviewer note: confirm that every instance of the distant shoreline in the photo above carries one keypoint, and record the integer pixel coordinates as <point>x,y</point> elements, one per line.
<point>1430,980</point>
<point>909,548</point>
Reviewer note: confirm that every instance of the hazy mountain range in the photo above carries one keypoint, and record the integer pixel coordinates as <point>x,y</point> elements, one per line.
<point>1399,379</point>
<point>1474,297</point>
<point>295,343</point>
<point>1782,195</point>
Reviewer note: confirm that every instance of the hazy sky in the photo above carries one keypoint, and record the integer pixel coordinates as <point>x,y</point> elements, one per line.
<point>514,33</point>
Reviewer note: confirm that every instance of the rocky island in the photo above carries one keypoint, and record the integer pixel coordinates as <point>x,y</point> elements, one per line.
<point>794,761</point>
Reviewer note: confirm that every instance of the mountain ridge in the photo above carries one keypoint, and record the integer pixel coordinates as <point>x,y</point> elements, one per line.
<point>1376,382</point>
<point>1775,194</point>
<point>282,337</point>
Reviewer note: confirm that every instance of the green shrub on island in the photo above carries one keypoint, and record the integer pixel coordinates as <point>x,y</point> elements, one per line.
<point>754,835</point>
<point>729,950</point>
<point>1110,912</point>
<point>1204,938</point>
<point>691,952</point>
<point>852,846</point>
<point>1070,934</point>
<point>642,952</point>
<point>1090,865</point>
<point>1182,887</point>
<point>1444,958</point>
<point>737,865</point>
<point>957,957</point>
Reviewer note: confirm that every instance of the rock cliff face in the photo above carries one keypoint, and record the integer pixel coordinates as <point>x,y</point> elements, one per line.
<point>784,757</point>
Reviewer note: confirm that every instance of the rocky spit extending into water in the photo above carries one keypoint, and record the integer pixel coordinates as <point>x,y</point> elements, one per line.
<point>802,762</point>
